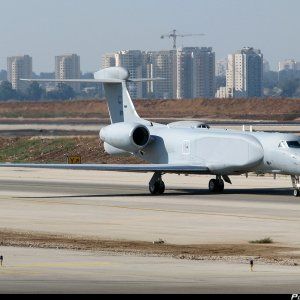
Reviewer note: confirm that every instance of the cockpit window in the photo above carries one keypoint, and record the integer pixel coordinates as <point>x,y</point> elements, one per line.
<point>294,144</point>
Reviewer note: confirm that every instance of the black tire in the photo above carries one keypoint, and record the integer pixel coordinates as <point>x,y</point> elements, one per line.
<point>162,188</point>
<point>216,186</point>
<point>296,193</point>
<point>221,186</point>
<point>212,186</point>
<point>158,188</point>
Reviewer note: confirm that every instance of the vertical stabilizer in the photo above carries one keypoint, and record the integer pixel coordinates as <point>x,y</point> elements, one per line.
<point>121,108</point>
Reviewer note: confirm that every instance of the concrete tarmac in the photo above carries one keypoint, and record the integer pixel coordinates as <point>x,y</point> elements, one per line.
<point>28,270</point>
<point>118,206</point>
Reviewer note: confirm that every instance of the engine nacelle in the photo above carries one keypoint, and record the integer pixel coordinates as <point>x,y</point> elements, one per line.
<point>129,137</point>
<point>115,151</point>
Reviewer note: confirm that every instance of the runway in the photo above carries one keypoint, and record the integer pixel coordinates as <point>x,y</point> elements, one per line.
<point>59,271</point>
<point>117,206</point>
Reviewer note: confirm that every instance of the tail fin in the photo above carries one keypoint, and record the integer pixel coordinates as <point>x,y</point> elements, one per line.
<point>121,108</point>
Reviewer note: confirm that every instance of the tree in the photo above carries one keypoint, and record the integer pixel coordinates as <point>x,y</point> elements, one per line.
<point>63,92</point>
<point>7,92</point>
<point>34,91</point>
<point>290,88</point>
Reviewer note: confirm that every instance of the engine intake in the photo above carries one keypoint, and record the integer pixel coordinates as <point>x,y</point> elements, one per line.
<point>125,136</point>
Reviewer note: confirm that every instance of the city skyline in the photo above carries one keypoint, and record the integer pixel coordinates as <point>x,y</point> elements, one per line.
<point>89,29</point>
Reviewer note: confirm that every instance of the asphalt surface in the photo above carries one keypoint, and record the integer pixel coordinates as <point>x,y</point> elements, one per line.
<point>118,206</point>
<point>60,271</point>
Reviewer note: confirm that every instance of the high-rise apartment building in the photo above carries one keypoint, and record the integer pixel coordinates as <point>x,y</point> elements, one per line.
<point>186,73</point>
<point>288,64</point>
<point>244,78</point>
<point>19,67</point>
<point>221,67</point>
<point>195,73</point>
<point>288,69</point>
<point>68,67</point>
<point>108,60</point>
<point>163,64</point>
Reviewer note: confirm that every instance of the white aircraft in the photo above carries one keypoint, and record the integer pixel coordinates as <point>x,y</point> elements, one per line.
<point>183,147</point>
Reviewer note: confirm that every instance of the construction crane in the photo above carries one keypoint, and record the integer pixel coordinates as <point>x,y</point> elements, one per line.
<point>173,35</point>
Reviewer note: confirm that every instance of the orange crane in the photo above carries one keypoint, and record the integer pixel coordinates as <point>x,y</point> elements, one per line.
<point>173,35</point>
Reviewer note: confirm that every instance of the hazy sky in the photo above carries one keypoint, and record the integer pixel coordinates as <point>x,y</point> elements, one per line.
<point>45,28</point>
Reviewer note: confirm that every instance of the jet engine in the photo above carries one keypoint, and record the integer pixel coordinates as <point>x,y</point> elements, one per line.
<point>126,136</point>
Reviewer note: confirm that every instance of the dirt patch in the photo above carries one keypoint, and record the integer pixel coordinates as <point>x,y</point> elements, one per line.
<point>251,109</point>
<point>264,253</point>
<point>56,150</point>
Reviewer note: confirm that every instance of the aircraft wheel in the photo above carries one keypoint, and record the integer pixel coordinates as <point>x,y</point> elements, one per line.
<point>221,186</point>
<point>296,193</point>
<point>216,186</point>
<point>162,188</point>
<point>213,186</point>
<point>157,188</point>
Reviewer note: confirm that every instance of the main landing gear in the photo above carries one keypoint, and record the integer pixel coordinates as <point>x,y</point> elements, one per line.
<point>156,185</point>
<point>216,185</point>
<point>296,185</point>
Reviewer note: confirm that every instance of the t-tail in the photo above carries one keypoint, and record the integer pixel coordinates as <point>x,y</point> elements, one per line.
<point>121,108</point>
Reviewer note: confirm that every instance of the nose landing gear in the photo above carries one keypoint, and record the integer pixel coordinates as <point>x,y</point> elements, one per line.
<point>216,185</point>
<point>296,185</point>
<point>156,185</point>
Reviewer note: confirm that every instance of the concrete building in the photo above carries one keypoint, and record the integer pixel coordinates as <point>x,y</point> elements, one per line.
<point>163,64</point>
<point>288,69</point>
<point>266,66</point>
<point>221,67</point>
<point>195,73</point>
<point>108,60</point>
<point>244,77</point>
<point>288,64</point>
<point>187,72</point>
<point>68,67</point>
<point>19,67</point>
<point>223,93</point>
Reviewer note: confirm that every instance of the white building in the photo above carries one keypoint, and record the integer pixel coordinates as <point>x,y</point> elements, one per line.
<point>223,93</point>
<point>288,64</point>
<point>108,60</point>
<point>186,73</point>
<point>19,67</point>
<point>244,75</point>
<point>68,67</point>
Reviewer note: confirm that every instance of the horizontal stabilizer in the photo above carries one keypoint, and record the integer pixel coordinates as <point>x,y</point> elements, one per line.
<point>145,79</point>
<point>117,168</point>
<point>104,80</point>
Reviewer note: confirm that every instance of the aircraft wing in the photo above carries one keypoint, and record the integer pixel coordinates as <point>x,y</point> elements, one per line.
<point>185,169</point>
